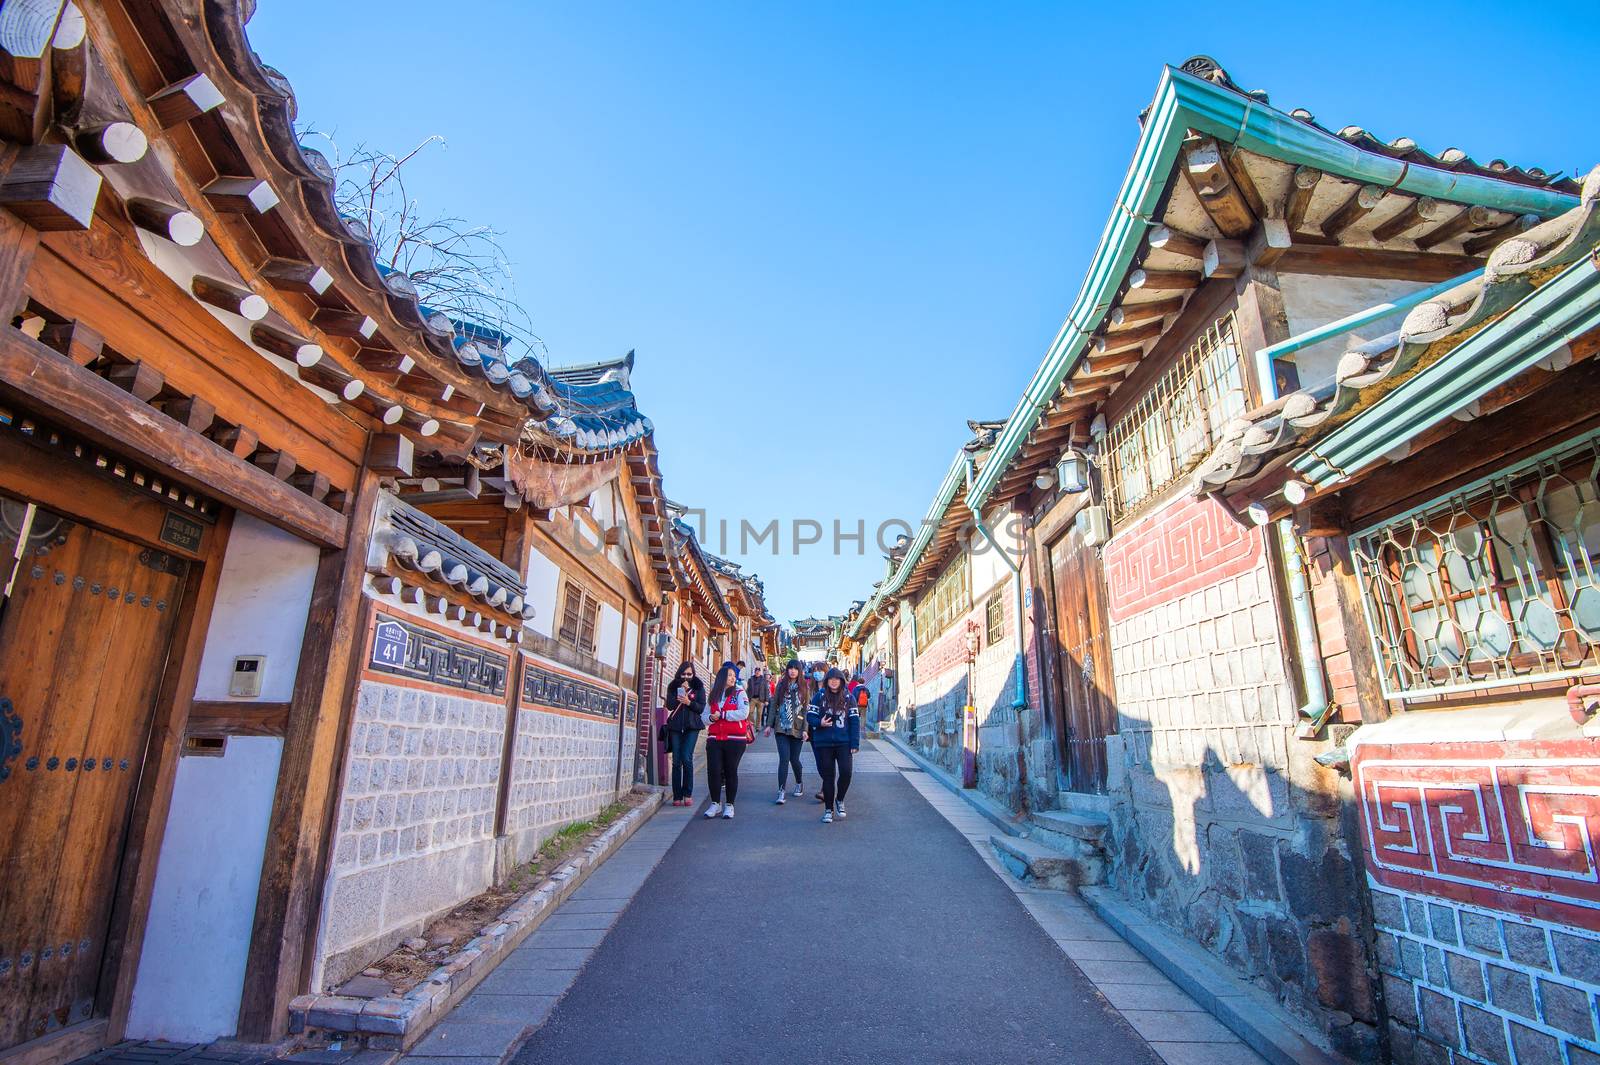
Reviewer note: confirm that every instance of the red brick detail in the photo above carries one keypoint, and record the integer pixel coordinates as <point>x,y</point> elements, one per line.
<point>1512,826</point>
<point>1184,547</point>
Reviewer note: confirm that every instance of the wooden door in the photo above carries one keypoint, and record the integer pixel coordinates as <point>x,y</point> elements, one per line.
<point>1085,702</point>
<point>84,631</point>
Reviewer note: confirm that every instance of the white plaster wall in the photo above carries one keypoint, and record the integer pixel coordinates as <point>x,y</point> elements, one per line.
<point>1310,301</point>
<point>630,647</point>
<point>610,632</point>
<point>543,577</point>
<point>262,599</point>
<point>191,973</point>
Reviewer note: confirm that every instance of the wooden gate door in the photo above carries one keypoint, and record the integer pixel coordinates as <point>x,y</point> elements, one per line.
<point>1084,697</point>
<point>84,629</point>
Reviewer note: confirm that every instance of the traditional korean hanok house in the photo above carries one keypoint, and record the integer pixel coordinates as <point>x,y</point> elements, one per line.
<point>753,637</point>
<point>954,596</point>
<point>812,637</point>
<point>1445,486</point>
<point>1184,709</point>
<point>226,644</point>
<point>553,739</point>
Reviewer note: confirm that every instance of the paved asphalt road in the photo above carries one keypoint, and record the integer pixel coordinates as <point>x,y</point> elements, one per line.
<point>880,939</point>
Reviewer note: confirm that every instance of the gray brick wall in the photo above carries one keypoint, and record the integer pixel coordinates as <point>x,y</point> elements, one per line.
<point>416,817</point>
<point>1222,826</point>
<point>1466,984</point>
<point>563,770</point>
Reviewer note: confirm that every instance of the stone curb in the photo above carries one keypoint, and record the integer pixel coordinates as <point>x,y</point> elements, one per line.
<point>396,1022</point>
<point>989,810</point>
<point>1247,1011</point>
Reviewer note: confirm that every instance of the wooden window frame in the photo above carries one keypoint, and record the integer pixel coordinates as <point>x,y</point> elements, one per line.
<point>946,600</point>
<point>994,618</point>
<point>582,632</point>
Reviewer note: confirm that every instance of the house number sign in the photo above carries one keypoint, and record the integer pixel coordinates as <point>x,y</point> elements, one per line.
<point>389,645</point>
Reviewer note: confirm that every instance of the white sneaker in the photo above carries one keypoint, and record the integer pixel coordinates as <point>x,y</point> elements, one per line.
<point>781,799</point>
<point>839,811</point>
<point>727,812</point>
<point>827,817</point>
<point>799,789</point>
<point>714,809</point>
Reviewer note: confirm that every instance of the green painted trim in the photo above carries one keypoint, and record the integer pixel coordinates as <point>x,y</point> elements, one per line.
<point>1182,103</point>
<point>1555,314</point>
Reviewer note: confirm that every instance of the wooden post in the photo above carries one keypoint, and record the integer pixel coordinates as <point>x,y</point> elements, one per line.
<point>294,867</point>
<point>1262,322</point>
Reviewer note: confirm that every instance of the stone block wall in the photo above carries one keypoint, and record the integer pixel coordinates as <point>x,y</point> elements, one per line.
<point>1464,983</point>
<point>564,754</point>
<point>1478,828</point>
<point>1222,825</point>
<point>415,833</point>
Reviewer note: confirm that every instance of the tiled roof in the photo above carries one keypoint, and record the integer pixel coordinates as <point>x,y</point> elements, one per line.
<point>1403,149</point>
<point>1250,443</point>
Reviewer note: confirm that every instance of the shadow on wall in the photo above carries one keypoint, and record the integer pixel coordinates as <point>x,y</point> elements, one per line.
<point>1253,862</point>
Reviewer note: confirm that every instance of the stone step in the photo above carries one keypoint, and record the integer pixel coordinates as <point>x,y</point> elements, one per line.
<point>1091,828</point>
<point>1032,861</point>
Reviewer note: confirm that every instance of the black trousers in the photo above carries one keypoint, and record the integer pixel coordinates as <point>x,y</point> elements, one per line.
<point>722,768</point>
<point>789,755</point>
<point>830,761</point>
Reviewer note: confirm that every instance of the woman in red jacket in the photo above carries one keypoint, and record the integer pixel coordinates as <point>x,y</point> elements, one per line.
<point>727,716</point>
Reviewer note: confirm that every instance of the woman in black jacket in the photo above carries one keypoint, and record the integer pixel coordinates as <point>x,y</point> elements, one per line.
<point>686,704</point>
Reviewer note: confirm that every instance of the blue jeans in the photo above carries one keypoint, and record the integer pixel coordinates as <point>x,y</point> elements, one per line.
<point>681,746</point>
<point>789,748</point>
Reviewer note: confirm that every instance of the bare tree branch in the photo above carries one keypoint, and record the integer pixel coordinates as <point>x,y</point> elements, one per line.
<point>458,268</point>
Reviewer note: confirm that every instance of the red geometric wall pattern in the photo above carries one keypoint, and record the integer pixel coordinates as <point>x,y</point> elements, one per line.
<point>1509,826</point>
<point>1187,545</point>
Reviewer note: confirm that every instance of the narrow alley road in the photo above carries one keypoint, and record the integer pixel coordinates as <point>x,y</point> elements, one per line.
<point>884,938</point>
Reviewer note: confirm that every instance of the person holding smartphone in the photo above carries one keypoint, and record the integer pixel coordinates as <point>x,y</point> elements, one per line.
<point>728,714</point>
<point>786,715</point>
<point>835,727</point>
<point>686,702</point>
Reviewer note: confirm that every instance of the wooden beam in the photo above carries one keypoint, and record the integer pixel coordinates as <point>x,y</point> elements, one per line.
<point>1125,338</point>
<point>1207,173</point>
<point>74,340</point>
<point>99,410</point>
<point>193,412</point>
<point>1165,238</point>
<point>285,345</point>
<point>351,324</point>
<point>1468,220</point>
<point>229,297</point>
<point>1100,365</point>
<point>1268,242</point>
<point>139,379</point>
<point>294,866</point>
<point>379,360</point>
<point>1358,206</point>
<point>1486,243</point>
<point>1129,314</point>
<point>292,275</point>
<point>111,143</point>
<point>1420,210</point>
<point>1337,261</point>
<point>1302,188</point>
<point>238,440</point>
<point>185,100</point>
<point>51,188</point>
<point>166,221</point>
<point>392,455</point>
<point>1233,158</point>
<point>1163,280</point>
<point>1224,258</point>
<point>241,195</point>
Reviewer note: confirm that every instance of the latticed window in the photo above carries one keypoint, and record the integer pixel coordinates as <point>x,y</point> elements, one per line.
<point>944,603</point>
<point>1174,423</point>
<point>994,620</point>
<point>580,615</point>
<point>1498,584</point>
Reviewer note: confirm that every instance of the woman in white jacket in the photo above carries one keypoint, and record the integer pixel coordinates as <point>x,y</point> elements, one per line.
<point>727,735</point>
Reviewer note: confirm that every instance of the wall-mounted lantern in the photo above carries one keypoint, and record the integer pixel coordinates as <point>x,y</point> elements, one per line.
<point>1072,471</point>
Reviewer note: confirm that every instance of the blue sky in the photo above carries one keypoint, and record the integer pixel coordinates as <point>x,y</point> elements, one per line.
<point>834,232</point>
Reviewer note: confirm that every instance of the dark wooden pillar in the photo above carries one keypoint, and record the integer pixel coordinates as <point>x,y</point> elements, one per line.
<point>295,864</point>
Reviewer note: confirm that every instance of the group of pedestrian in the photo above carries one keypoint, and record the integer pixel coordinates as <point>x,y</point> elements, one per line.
<point>804,705</point>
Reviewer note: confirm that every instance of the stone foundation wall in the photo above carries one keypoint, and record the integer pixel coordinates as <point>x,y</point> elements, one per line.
<point>1222,825</point>
<point>564,757</point>
<point>415,833</point>
<point>1465,983</point>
